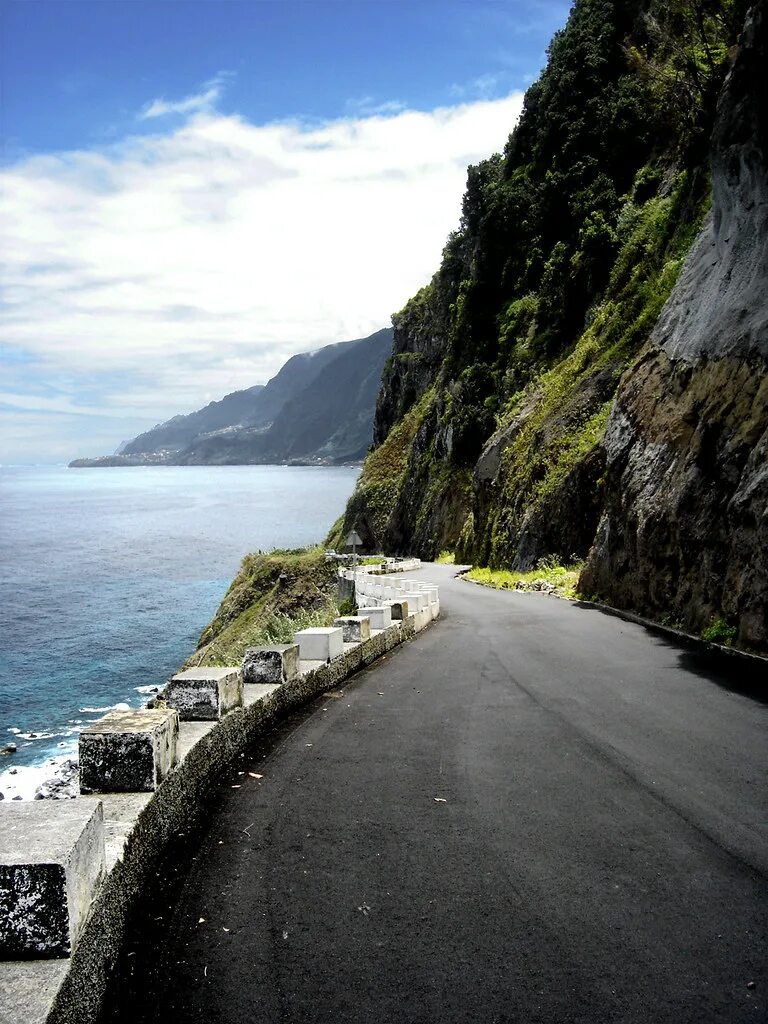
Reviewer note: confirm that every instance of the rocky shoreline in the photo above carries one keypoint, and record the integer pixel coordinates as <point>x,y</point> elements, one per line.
<point>55,779</point>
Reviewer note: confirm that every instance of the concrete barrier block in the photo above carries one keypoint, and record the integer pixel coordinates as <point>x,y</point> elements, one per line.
<point>355,628</point>
<point>398,609</point>
<point>204,694</point>
<point>51,862</point>
<point>276,664</point>
<point>422,619</point>
<point>128,751</point>
<point>380,616</point>
<point>320,643</point>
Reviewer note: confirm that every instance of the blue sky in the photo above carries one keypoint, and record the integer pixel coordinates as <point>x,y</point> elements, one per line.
<point>194,191</point>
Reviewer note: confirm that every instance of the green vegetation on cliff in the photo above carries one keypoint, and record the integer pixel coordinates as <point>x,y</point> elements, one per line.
<point>273,595</point>
<point>505,366</point>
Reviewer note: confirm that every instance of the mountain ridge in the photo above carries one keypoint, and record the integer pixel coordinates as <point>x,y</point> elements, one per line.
<point>256,425</point>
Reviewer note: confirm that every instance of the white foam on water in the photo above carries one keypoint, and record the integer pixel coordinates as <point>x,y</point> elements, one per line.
<point>122,706</point>
<point>25,780</point>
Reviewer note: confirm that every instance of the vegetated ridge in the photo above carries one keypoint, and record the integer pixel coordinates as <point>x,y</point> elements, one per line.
<point>273,595</point>
<point>318,408</point>
<point>584,378</point>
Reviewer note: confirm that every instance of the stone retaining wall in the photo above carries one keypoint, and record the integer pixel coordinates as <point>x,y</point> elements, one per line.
<point>139,826</point>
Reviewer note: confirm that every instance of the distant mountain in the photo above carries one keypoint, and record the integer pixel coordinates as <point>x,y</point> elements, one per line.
<point>319,407</point>
<point>177,433</point>
<point>328,420</point>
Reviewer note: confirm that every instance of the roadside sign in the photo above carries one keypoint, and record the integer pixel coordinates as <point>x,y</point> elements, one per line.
<point>352,541</point>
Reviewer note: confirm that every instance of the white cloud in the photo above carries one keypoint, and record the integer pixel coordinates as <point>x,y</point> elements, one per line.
<point>47,404</point>
<point>201,101</point>
<point>483,87</point>
<point>178,266</point>
<point>367,106</point>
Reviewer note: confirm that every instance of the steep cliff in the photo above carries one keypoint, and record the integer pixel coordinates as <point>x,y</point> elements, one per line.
<point>685,526</point>
<point>491,419</point>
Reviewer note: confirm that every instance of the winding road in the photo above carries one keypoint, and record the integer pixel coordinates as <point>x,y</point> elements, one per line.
<point>533,812</point>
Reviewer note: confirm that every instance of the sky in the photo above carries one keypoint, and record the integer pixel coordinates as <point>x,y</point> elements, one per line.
<point>192,192</point>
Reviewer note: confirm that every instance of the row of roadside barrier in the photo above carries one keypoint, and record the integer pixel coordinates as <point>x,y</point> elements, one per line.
<point>71,870</point>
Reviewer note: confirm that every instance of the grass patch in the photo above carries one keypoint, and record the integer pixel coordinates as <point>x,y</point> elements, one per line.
<point>446,558</point>
<point>563,577</point>
<point>719,632</point>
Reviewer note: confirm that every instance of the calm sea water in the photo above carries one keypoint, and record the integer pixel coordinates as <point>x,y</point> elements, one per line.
<point>108,576</point>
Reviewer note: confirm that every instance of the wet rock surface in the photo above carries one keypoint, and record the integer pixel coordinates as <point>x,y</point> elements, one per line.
<point>62,784</point>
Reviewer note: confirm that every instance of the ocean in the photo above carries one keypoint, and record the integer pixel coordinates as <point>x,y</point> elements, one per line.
<point>108,577</point>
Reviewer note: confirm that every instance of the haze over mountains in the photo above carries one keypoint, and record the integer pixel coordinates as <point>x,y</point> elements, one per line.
<point>319,407</point>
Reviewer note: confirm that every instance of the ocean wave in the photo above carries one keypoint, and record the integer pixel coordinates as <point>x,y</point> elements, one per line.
<point>121,706</point>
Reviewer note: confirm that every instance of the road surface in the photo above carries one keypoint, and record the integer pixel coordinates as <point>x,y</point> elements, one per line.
<point>533,812</point>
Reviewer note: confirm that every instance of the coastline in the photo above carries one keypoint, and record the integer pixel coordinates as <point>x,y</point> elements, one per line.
<point>139,826</point>
<point>156,460</point>
<point>106,597</point>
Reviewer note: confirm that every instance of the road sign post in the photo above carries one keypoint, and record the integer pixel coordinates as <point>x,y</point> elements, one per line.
<point>351,542</point>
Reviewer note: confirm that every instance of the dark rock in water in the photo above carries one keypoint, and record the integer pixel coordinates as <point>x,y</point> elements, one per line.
<point>62,785</point>
<point>685,527</point>
<point>9,748</point>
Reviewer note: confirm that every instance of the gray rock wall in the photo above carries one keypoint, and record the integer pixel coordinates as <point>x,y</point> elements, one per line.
<point>685,527</point>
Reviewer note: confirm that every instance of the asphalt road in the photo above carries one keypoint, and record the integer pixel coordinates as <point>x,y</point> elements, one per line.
<point>532,812</point>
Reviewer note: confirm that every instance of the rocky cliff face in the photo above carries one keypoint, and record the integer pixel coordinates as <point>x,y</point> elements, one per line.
<point>616,247</point>
<point>685,527</point>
